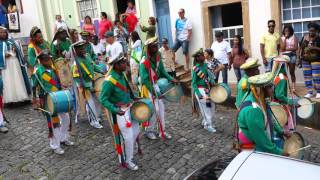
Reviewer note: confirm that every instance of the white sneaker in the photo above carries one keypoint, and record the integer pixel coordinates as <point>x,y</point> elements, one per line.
<point>308,95</point>
<point>318,96</point>
<point>3,129</point>
<point>210,129</point>
<point>68,143</point>
<point>96,125</point>
<point>59,151</point>
<point>132,166</point>
<point>151,135</point>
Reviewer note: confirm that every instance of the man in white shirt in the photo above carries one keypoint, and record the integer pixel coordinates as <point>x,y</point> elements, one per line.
<point>98,48</point>
<point>115,48</point>
<point>183,36</point>
<point>222,52</point>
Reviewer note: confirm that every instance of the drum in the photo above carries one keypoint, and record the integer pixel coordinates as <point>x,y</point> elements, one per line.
<point>64,72</point>
<point>306,108</point>
<point>173,94</point>
<point>60,102</point>
<point>97,83</point>
<point>102,67</point>
<point>164,85</point>
<point>293,143</point>
<point>280,113</point>
<point>220,93</point>
<point>142,110</point>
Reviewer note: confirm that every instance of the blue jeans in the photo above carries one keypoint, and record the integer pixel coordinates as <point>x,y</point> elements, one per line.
<point>184,44</point>
<point>239,73</point>
<point>268,67</point>
<point>224,74</point>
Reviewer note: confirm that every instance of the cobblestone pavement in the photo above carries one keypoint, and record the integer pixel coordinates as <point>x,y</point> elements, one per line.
<point>24,151</point>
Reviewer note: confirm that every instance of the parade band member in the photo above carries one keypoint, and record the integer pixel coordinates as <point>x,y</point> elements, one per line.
<point>255,131</point>
<point>251,68</point>
<point>15,76</point>
<point>201,82</point>
<point>116,96</point>
<point>60,47</point>
<point>59,125</point>
<point>151,69</point>
<point>84,83</point>
<point>85,36</point>
<point>3,128</point>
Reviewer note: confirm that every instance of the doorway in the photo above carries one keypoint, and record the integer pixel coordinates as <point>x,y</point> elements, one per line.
<point>163,20</point>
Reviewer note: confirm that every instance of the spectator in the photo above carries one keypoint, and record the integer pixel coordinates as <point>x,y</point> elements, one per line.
<point>222,52</point>
<point>98,47</point>
<point>88,26</point>
<point>131,9</point>
<point>269,45</point>
<point>3,15</point>
<point>136,54</point>
<point>60,23</point>
<point>104,25</point>
<point>115,48</point>
<point>183,36</point>
<point>12,7</point>
<point>213,64</point>
<point>121,35</point>
<point>74,35</point>
<point>168,58</point>
<point>238,56</point>
<point>289,46</point>
<point>310,57</point>
<point>151,30</point>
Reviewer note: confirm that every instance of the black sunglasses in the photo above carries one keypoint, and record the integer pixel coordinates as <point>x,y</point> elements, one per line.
<point>271,26</point>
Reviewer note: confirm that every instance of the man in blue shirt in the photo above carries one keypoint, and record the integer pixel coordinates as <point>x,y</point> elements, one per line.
<point>3,15</point>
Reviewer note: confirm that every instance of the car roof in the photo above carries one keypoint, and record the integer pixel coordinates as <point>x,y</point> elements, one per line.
<point>249,165</point>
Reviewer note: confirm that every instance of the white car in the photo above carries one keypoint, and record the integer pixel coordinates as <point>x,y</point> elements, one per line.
<point>252,165</point>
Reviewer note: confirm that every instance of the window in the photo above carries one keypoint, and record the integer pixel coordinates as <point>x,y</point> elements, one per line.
<point>299,13</point>
<point>88,8</point>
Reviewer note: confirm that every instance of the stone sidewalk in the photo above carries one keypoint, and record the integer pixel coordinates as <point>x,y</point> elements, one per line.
<point>24,151</point>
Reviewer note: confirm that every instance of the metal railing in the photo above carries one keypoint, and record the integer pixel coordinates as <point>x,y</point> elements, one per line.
<point>229,32</point>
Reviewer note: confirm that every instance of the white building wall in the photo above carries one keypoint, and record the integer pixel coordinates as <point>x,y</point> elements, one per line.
<point>28,19</point>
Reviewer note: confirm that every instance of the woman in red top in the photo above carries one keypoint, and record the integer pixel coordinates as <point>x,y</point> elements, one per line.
<point>238,56</point>
<point>104,25</point>
<point>88,26</point>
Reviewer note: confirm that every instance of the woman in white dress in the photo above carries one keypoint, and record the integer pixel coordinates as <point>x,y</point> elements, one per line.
<point>136,53</point>
<point>15,78</point>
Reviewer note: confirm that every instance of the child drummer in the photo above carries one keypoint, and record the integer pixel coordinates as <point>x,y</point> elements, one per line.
<point>46,80</point>
<point>201,83</point>
<point>117,96</point>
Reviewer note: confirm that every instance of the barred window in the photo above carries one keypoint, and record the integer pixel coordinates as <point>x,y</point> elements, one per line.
<point>299,13</point>
<point>88,8</point>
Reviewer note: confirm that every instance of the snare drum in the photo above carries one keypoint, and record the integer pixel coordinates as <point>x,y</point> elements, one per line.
<point>64,72</point>
<point>293,143</point>
<point>279,113</point>
<point>142,110</point>
<point>60,102</point>
<point>220,93</point>
<point>306,108</point>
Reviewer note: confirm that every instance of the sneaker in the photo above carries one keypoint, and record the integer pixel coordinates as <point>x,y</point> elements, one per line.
<point>151,135</point>
<point>132,166</point>
<point>68,143</point>
<point>4,129</point>
<point>166,135</point>
<point>318,96</point>
<point>59,151</point>
<point>211,129</point>
<point>96,125</point>
<point>309,95</point>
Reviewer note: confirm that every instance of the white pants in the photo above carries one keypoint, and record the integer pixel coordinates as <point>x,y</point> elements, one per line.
<point>129,134</point>
<point>206,112</point>
<point>1,119</point>
<point>60,134</point>
<point>159,113</point>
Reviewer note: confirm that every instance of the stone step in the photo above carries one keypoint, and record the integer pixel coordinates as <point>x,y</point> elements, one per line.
<point>179,68</point>
<point>183,74</point>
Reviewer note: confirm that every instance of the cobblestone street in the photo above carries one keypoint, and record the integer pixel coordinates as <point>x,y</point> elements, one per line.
<point>25,154</point>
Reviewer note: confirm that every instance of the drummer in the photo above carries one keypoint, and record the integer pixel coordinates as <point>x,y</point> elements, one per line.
<point>84,82</point>
<point>253,133</point>
<point>60,46</point>
<point>201,83</point>
<point>251,68</point>
<point>59,125</point>
<point>117,96</point>
<point>85,36</point>
<point>151,69</point>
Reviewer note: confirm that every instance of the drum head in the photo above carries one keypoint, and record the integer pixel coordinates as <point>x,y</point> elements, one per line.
<point>279,113</point>
<point>98,85</point>
<point>293,143</point>
<point>218,94</point>
<point>50,105</point>
<point>141,112</point>
<point>64,72</point>
<point>306,108</point>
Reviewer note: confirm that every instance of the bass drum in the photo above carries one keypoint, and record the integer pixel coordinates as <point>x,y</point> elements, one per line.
<point>280,113</point>
<point>97,83</point>
<point>60,102</point>
<point>293,143</point>
<point>306,109</point>
<point>142,110</point>
<point>220,93</point>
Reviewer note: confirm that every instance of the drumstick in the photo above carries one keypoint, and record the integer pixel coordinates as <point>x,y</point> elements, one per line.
<point>167,92</point>
<point>40,109</point>
<point>300,149</point>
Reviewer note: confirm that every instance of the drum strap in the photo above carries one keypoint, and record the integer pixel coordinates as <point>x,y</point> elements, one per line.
<point>84,67</point>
